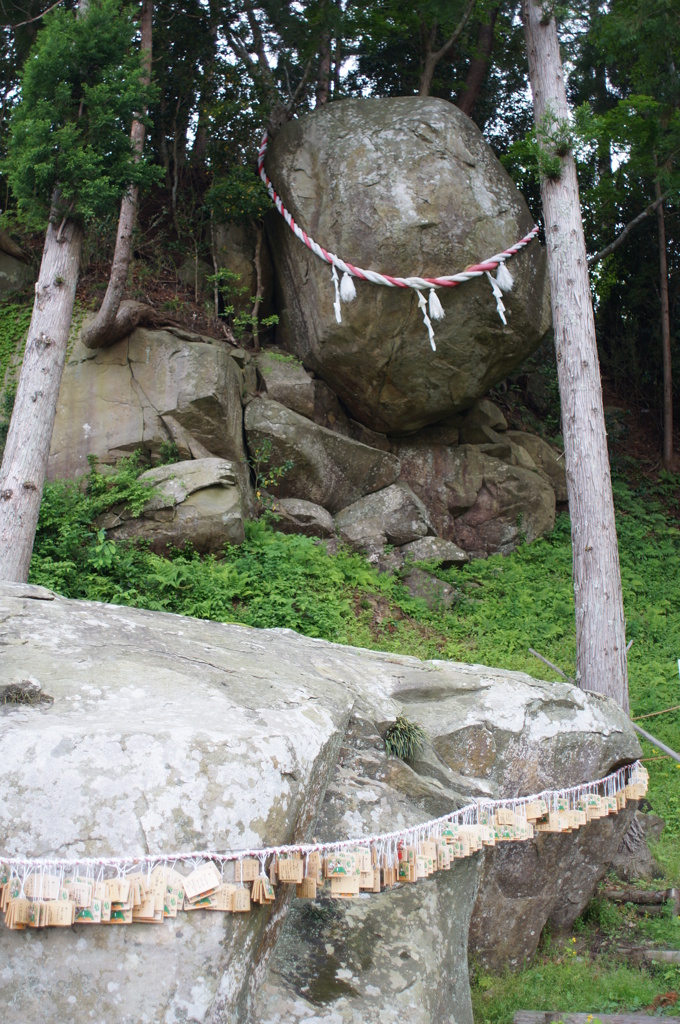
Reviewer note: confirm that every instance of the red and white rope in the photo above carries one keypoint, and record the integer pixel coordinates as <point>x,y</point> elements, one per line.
<point>419,284</point>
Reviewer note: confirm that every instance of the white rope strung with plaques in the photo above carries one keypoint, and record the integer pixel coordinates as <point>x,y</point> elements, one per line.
<point>345,290</point>
<point>42,892</point>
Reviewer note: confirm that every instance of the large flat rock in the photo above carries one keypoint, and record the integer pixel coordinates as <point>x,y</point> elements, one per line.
<point>169,734</point>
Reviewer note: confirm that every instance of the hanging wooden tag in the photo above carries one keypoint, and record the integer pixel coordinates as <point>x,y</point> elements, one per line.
<point>241,900</point>
<point>201,881</point>
<point>345,886</point>
<point>246,870</point>
<point>306,889</point>
<point>291,869</point>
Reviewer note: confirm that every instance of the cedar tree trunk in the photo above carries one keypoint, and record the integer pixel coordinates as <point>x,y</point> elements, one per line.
<point>24,464</point>
<point>600,626</point>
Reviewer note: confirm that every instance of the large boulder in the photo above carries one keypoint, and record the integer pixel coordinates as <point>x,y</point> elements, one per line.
<point>167,734</point>
<point>327,468</point>
<point>403,186</point>
<point>116,400</point>
<point>198,502</point>
<point>481,503</point>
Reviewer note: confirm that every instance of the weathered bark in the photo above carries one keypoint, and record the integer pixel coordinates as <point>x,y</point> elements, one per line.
<point>103,329</point>
<point>431,57</point>
<point>24,464</point>
<point>600,626</point>
<point>323,81</point>
<point>474,80</point>
<point>259,286</point>
<point>668,456</point>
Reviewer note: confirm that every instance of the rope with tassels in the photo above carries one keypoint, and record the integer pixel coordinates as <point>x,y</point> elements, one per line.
<point>431,309</point>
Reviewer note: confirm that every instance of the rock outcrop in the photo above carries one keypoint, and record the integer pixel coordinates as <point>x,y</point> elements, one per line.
<point>167,734</point>
<point>403,186</point>
<point>200,501</point>
<point>391,516</point>
<point>327,468</point>
<point>116,400</point>
<point>482,504</point>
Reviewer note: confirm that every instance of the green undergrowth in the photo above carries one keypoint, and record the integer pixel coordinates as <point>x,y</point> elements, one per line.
<point>590,971</point>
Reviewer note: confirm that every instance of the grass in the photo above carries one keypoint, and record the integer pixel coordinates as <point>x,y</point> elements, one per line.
<point>587,972</point>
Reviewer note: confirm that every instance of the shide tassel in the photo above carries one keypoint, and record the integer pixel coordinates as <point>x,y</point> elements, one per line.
<point>498,296</point>
<point>426,320</point>
<point>504,278</point>
<point>347,290</point>
<point>436,308</point>
<point>336,304</point>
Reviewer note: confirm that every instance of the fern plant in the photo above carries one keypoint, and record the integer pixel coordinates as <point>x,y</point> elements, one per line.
<point>404,739</point>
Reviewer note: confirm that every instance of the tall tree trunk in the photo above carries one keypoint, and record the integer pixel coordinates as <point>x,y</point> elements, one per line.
<point>600,625</point>
<point>323,82</point>
<point>668,455</point>
<point>24,464</point>
<point>479,64</point>
<point>104,329</point>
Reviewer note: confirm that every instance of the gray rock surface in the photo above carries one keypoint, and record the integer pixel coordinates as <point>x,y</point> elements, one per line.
<point>419,192</point>
<point>391,516</point>
<point>480,503</point>
<point>167,734</point>
<point>547,458</point>
<point>328,468</point>
<point>434,592</point>
<point>297,516</point>
<point>286,381</point>
<point>435,549</point>
<point>634,859</point>
<point>198,502</point>
<point>14,275</point>
<point>112,401</point>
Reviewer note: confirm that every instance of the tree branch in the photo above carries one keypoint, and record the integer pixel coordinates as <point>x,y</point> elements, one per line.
<point>20,24</point>
<point>620,238</point>
<point>457,32</point>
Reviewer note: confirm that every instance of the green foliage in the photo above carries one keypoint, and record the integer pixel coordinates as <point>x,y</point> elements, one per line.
<point>404,739</point>
<point>80,89</point>
<point>15,319</point>
<point>569,982</point>
<point>169,453</point>
<point>238,196</point>
<point>6,409</point>
<point>267,477</point>
<point>233,294</point>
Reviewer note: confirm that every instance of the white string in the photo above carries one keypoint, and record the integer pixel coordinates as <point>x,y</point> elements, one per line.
<point>636,773</point>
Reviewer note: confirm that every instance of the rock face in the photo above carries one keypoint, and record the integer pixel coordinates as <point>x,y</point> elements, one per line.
<point>403,186</point>
<point>482,504</point>
<point>328,468</point>
<point>546,458</point>
<point>391,516</point>
<point>14,275</point>
<point>115,400</point>
<point>170,734</point>
<point>297,516</point>
<point>198,501</point>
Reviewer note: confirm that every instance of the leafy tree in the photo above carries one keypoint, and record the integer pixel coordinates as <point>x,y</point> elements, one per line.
<point>69,161</point>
